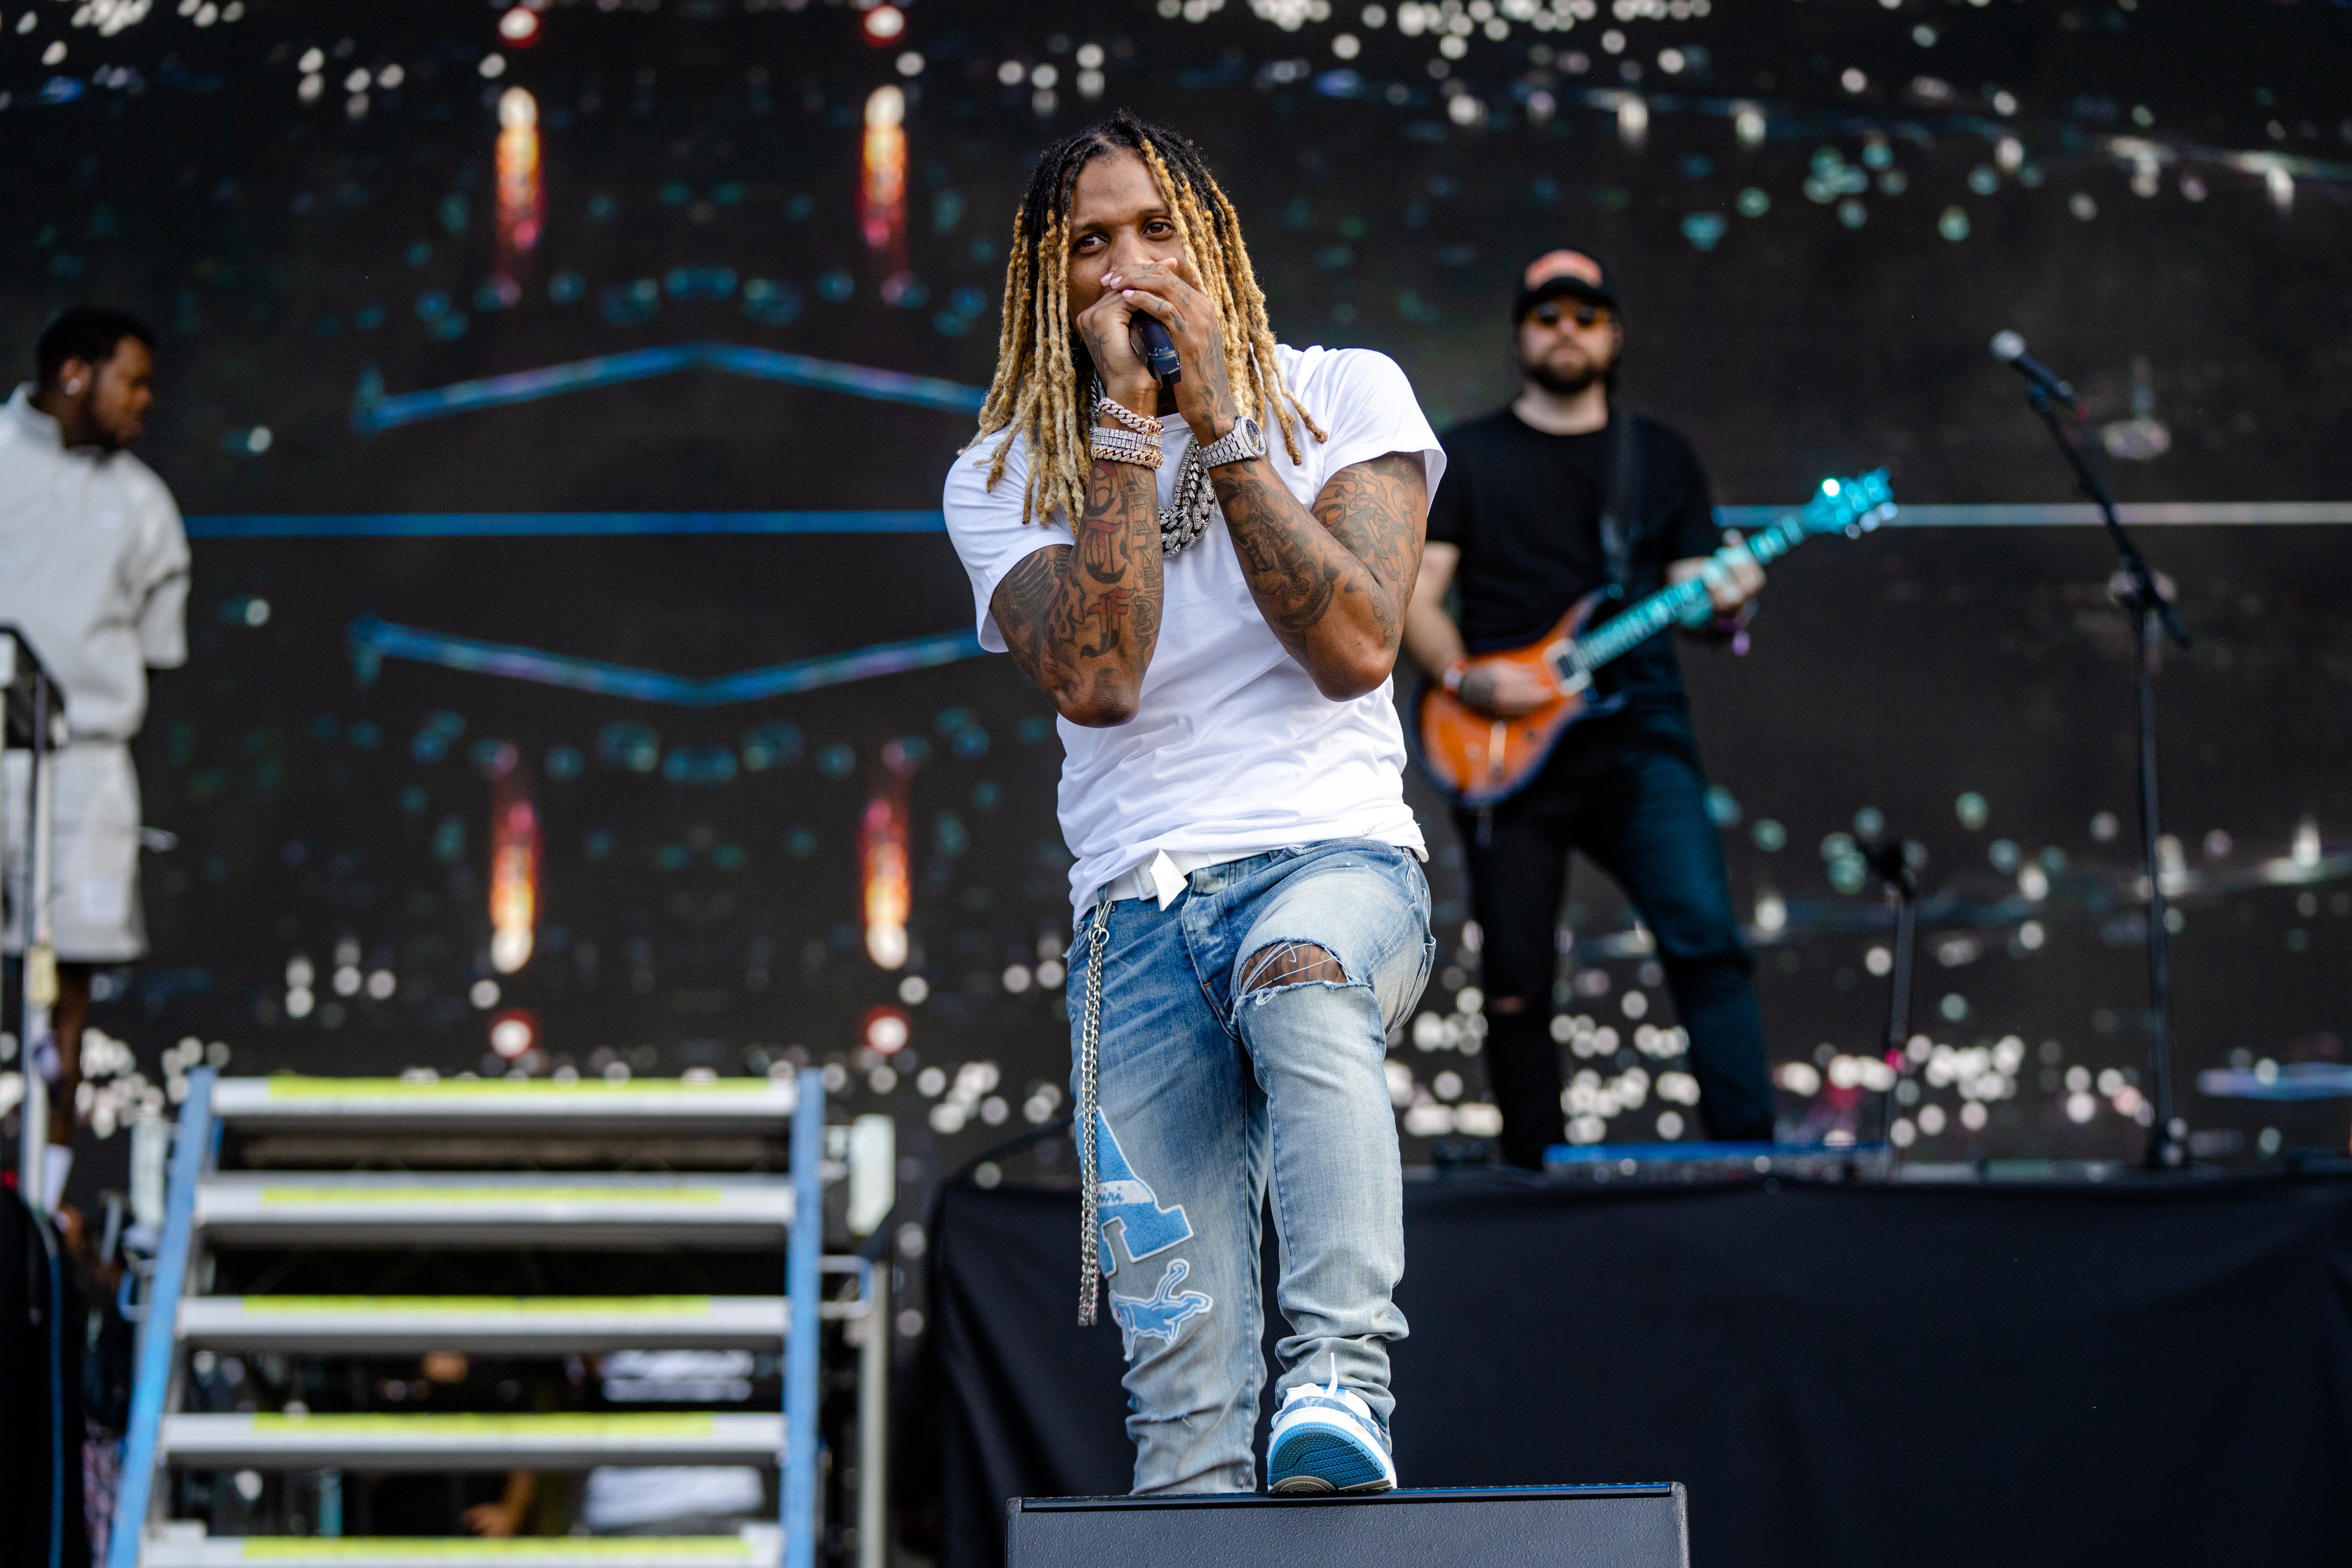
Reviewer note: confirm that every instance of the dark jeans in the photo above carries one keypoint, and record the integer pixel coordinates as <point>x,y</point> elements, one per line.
<point>1627,790</point>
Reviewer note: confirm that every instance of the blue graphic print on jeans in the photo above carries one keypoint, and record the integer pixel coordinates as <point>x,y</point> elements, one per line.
<point>1126,1200</point>
<point>1163,1314</point>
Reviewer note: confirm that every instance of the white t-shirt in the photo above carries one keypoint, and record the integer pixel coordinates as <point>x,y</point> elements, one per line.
<point>1231,749</point>
<point>93,569</point>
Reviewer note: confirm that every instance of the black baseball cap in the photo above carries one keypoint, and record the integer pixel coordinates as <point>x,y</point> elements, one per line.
<point>1562,271</point>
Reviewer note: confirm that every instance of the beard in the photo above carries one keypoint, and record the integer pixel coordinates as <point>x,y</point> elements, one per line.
<point>1563,383</point>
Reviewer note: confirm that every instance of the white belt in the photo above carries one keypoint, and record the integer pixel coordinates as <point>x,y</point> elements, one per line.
<point>1162,877</point>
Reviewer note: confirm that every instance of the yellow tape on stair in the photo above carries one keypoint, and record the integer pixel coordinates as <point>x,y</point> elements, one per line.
<point>651,1424</point>
<point>550,1306</point>
<point>268,1548</point>
<point>380,1195</point>
<point>296,1086</point>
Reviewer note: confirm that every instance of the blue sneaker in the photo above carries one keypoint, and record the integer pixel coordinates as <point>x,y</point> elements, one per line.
<point>1324,1440</point>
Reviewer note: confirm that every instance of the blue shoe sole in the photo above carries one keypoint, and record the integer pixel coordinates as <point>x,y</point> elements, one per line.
<point>1324,1462</point>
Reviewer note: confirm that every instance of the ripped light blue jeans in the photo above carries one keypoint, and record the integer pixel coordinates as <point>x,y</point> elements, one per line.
<point>1225,1078</point>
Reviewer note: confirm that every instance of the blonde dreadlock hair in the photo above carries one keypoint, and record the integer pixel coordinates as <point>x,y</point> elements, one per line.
<point>1044,373</point>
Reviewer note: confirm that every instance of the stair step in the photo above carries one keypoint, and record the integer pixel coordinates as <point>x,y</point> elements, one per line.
<point>288,1102</point>
<point>589,1210</point>
<point>384,1442</point>
<point>755,1548</point>
<point>514,1325</point>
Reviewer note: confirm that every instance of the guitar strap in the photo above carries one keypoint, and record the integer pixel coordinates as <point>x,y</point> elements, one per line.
<point>1621,506</point>
<point>1621,531</point>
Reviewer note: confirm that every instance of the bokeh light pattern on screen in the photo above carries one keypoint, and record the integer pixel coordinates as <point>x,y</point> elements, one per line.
<point>1821,212</point>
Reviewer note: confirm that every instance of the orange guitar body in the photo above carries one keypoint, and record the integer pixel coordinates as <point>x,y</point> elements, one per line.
<point>1478,759</point>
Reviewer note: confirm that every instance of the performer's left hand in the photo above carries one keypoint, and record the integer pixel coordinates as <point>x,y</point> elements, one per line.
<point>1165,291</point>
<point>1732,578</point>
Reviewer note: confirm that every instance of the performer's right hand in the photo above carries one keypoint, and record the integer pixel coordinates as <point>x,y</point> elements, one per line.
<point>1506,691</point>
<point>1110,343</point>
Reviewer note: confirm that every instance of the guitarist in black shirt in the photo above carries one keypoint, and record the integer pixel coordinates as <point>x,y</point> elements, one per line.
<point>1540,506</point>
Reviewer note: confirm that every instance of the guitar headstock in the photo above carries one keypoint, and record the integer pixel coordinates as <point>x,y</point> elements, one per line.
<point>1852,507</point>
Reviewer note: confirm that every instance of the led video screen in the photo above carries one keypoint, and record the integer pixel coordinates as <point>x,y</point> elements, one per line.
<point>581,680</point>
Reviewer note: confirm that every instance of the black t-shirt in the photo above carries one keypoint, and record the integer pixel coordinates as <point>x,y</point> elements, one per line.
<point>1524,508</point>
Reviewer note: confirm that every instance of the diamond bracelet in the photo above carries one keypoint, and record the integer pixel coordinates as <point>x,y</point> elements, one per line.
<point>1142,423</point>
<point>1124,446</point>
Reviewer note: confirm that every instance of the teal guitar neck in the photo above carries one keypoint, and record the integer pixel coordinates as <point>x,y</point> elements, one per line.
<point>1852,507</point>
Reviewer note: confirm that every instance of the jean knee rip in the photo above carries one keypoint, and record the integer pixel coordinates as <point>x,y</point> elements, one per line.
<point>1280,966</point>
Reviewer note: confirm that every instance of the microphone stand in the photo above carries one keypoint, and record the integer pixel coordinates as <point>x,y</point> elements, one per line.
<point>1891,859</point>
<point>2149,608</point>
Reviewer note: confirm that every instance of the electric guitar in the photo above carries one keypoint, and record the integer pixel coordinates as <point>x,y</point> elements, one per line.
<point>1477,758</point>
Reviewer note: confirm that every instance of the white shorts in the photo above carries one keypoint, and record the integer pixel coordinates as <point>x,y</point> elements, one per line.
<point>95,914</point>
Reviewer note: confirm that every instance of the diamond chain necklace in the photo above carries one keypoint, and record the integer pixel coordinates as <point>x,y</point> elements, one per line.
<point>1187,518</point>
<point>1195,503</point>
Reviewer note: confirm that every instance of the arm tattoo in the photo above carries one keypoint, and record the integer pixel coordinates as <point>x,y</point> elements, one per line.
<point>1111,609</point>
<point>1378,510</point>
<point>1344,584</point>
<point>1025,605</point>
<point>1293,572</point>
<point>1082,622</point>
<point>1102,534</point>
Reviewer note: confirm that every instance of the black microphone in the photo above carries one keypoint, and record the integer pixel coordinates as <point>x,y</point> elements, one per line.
<point>2010,349</point>
<point>1158,349</point>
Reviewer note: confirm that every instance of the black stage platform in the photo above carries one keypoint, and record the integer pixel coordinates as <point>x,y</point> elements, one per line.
<point>1526,1526</point>
<point>2117,1372</point>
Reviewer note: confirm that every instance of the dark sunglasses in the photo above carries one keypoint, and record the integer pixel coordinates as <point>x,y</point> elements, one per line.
<point>1552,312</point>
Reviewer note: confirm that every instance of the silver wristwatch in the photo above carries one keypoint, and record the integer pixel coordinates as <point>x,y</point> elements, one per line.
<point>1238,445</point>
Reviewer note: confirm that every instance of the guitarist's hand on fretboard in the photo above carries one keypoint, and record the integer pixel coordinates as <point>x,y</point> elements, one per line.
<point>1732,578</point>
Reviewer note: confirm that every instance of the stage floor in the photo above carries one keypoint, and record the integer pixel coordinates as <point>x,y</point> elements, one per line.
<point>2127,1371</point>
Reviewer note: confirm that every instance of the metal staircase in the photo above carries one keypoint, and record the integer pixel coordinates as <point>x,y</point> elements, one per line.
<point>388,1181</point>
<point>514,1325</point>
<point>755,1548</point>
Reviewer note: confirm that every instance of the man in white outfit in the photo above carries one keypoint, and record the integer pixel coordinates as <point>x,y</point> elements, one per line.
<point>1213,607</point>
<point>94,574</point>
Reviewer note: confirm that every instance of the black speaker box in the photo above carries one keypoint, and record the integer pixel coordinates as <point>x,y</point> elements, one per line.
<point>1516,1527</point>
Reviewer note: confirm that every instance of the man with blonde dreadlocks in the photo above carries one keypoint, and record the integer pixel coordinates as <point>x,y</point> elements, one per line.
<point>1214,615</point>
